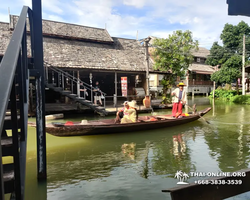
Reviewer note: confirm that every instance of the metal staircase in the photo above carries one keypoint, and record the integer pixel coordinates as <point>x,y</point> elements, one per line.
<point>14,90</point>
<point>14,96</point>
<point>59,86</point>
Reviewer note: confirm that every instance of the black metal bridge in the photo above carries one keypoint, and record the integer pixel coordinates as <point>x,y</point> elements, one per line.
<point>14,88</point>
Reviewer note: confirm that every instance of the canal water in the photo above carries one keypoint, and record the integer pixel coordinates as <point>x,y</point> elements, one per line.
<point>139,165</point>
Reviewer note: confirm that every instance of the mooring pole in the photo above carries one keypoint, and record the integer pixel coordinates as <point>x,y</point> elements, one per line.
<point>115,101</point>
<point>243,65</point>
<point>40,89</point>
<point>147,40</point>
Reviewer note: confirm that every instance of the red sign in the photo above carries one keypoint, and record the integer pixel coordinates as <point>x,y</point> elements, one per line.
<point>124,85</point>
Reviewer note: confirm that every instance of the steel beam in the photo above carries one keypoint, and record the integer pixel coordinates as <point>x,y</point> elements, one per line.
<point>40,87</point>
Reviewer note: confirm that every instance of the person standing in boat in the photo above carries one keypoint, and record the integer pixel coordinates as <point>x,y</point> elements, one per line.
<point>132,113</point>
<point>147,102</point>
<point>120,114</point>
<point>179,99</point>
<point>98,93</point>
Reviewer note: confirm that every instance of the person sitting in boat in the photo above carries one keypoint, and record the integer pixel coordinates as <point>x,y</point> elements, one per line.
<point>179,99</point>
<point>122,112</point>
<point>147,102</point>
<point>132,116</point>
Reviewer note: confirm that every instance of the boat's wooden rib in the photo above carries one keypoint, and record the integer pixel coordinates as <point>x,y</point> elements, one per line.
<point>107,126</point>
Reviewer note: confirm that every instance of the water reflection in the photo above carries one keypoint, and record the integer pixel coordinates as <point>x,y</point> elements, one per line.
<point>179,146</point>
<point>129,150</point>
<point>229,143</point>
<point>121,166</point>
<point>171,156</point>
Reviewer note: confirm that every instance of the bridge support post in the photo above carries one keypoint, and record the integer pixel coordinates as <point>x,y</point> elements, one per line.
<point>78,83</point>
<point>40,89</point>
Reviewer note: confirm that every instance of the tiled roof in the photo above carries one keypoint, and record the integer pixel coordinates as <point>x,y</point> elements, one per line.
<point>201,68</point>
<point>124,54</point>
<point>202,52</point>
<point>73,31</point>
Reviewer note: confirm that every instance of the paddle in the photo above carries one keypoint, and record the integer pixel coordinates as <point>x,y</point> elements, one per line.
<point>199,115</point>
<point>152,111</point>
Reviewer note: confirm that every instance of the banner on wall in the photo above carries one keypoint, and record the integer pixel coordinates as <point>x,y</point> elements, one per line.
<point>124,86</point>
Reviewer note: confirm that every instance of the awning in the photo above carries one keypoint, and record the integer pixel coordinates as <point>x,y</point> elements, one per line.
<point>239,7</point>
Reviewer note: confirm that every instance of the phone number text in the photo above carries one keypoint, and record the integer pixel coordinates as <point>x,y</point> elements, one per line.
<point>218,182</point>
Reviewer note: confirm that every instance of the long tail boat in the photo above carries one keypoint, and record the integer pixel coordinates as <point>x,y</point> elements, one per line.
<point>107,126</point>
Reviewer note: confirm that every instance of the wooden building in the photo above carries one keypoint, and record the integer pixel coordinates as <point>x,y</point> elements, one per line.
<point>198,77</point>
<point>90,54</point>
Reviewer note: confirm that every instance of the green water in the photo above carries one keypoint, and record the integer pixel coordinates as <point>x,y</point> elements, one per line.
<point>97,167</point>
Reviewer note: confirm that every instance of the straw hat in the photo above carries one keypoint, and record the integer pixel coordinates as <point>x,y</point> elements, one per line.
<point>84,122</point>
<point>132,104</point>
<point>125,103</point>
<point>181,84</point>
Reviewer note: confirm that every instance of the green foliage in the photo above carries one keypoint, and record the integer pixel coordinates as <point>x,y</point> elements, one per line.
<point>239,99</point>
<point>228,56</point>
<point>232,36</point>
<point>229,72</point>
<point>174,53</point>
<point>218,55</point>
<point>167,83</point>
<point>230,95</point>
<point>223,94</point>
<point>228,87</point>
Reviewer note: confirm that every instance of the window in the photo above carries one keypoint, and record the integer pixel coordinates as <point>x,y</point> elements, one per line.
<point>198,60</point>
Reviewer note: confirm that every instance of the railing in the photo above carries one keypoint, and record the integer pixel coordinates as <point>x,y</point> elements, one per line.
<point>15,62</point>
<point>75,81</point>
<point>194,82</point>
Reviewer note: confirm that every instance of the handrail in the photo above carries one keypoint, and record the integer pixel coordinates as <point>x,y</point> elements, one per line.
<point>75,79</point>
<point>15,61</point>
<point>8,64</point>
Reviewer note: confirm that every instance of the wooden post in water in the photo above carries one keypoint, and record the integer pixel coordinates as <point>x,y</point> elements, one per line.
<point>243,66</point>
<point>214,90</point>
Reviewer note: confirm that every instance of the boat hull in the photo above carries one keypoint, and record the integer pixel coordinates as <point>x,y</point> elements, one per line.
<point>79,130</point>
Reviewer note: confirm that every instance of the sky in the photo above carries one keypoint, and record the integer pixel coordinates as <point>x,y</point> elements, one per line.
<point>124,18</point>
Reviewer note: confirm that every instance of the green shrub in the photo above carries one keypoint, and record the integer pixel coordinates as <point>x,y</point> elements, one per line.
<point>223,94</point>
<point>230,95</point>
<point>239,99</point>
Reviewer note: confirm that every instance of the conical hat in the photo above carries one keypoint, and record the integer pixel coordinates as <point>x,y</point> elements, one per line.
<point>132,104</point>
<point>181,84</point>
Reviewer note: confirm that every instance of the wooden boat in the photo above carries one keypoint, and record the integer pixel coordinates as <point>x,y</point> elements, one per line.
<point>54,116</point>
<point>107,126</point>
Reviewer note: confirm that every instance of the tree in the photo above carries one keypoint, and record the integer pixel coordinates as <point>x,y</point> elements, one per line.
<point>229,71</point>
<point>218,55</point>
<point>228,56</point>
<point>232,36</point>
<point>173,54</point>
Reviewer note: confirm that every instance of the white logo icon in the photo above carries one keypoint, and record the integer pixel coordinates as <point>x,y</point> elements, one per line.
<point>182,176</point>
